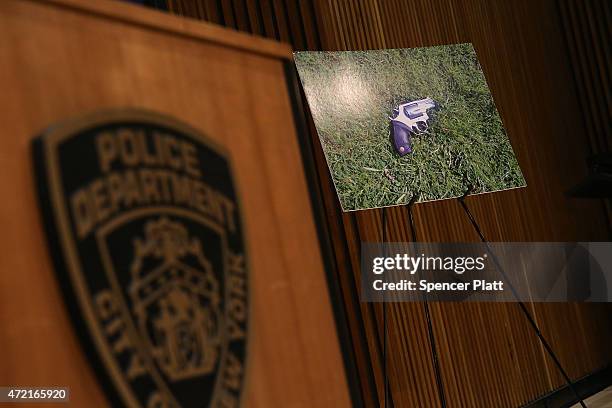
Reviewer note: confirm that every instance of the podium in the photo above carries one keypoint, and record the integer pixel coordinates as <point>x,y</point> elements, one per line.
<point>78,67</point>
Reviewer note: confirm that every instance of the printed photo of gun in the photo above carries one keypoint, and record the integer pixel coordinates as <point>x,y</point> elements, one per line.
<point>397,124</point>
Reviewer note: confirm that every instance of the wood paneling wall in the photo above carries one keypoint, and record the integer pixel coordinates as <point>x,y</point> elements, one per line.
<point>489,356</point>
<point>587,28</point>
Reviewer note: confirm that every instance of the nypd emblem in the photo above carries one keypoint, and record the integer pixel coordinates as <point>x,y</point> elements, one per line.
<point>144,228</point>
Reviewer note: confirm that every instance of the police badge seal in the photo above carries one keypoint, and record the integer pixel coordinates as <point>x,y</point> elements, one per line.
<point>144,228</point>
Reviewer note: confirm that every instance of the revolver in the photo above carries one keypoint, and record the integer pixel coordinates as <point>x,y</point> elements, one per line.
<point>407,118</point>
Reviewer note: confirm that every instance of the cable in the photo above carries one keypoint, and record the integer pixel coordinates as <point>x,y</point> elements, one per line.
<point>522,306</point>
<point>384,307</point>
<point>430,332</point>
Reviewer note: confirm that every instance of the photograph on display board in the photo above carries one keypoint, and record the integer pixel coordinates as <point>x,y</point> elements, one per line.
<point>402,123</point>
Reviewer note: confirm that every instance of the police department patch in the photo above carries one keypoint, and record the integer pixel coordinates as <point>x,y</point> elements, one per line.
<point>145,230</point>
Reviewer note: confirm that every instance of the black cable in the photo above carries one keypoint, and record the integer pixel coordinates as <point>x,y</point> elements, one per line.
<point>384,307</point>
<point>430,332</point>
<point>522,306</point>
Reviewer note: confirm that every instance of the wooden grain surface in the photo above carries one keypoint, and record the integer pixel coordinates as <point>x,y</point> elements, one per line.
<point>587,28</point>
<point>489,356</point>
<point>61,59</point>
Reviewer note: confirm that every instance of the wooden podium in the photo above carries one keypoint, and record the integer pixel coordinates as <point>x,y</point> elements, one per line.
<point>63,59</point>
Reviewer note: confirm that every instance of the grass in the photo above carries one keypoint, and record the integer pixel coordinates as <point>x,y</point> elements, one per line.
<point>351,96</point>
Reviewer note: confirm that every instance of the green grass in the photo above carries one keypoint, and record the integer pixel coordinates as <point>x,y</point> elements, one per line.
<point>351,96</point>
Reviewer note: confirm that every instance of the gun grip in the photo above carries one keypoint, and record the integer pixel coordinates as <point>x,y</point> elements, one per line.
<point>401,138</point>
